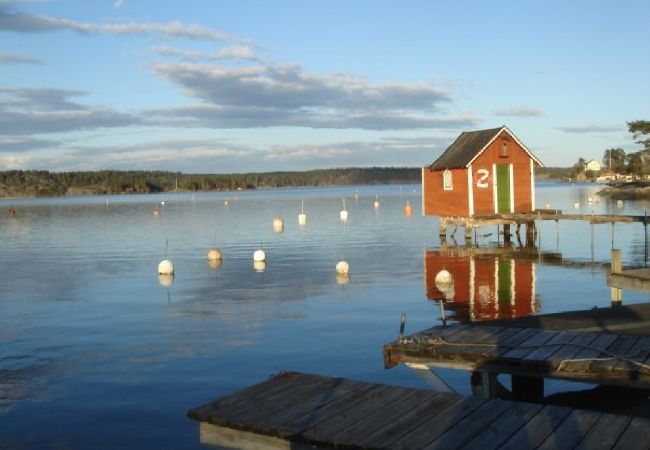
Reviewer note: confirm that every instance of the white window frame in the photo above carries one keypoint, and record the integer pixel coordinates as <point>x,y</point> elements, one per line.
<point>447,180</point>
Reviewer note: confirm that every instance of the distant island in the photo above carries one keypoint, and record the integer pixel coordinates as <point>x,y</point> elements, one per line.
<point>42,183</point>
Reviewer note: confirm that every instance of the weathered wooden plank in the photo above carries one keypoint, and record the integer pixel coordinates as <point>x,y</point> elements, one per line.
<point>294,417</point>
<point>587,355</point>
<point>637,352</point>
<point>224,437</point>
<point>605,433</point>
<point>436,403</point>
<point>468,427</point>
<point>276,404</point>
<point>570,350</point>
<point>242,400</point>
<point>571,431</point>
<point>635,436</point>
<point>495,435</point>
<point>619,347</point>
<point>493,342</point>
<point>429,430</point>
<point>366,421</point>
<point>552,346</point>
<point>537,429</point>
<point>333,428</point>
<point>529,345</point>
<point>473,343</point>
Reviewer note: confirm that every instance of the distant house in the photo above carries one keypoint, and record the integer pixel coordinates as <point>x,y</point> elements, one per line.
<point>482,172</point>
<point>593,165</point>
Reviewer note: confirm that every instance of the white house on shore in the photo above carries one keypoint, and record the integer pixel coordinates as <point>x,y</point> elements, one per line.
<point>593,165</point>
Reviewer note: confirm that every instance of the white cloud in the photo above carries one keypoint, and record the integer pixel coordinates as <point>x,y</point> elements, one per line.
<point>18,58</point>
<point>586,129</point>
<point>118,4</point>
<point>32,23</point>
<point>518,111</point>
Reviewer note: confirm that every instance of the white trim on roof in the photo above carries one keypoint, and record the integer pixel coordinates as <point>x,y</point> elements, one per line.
<point>504,128</point>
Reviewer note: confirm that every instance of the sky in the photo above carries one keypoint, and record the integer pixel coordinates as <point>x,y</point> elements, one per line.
<point>220,86</point>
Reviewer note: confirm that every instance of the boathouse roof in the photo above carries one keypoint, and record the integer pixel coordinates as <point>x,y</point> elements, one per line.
<point>469,145</point>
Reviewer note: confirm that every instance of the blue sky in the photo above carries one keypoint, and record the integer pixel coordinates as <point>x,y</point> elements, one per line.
<point>239,86</point>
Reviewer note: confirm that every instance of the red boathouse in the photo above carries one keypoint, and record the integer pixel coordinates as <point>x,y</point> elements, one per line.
<point>482,172</point>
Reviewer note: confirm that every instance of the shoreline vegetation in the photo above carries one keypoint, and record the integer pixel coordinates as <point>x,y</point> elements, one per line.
<point>42,183</point>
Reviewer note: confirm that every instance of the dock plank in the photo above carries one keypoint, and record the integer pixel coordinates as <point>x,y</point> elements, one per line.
<point>470,426</point>
<point>530,345</point>
<point>635,436</point>
<point>538,429</point>
<point>619,347</point>
<point>571,431</point>
<point>605,433</point>
<point>355,414</point>
<point>438,404</point>
<point>429,430</point>
<point>583,359</point>
<point>495,435</point>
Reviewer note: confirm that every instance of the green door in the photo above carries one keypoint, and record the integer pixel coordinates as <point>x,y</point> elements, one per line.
<point>503,188</point>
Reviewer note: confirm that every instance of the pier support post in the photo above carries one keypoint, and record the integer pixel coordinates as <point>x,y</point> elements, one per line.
<point>468,232</point>
<point>530,233</point>
<point>484,384</point>
<point>443,228</point>
<point>528,389</point>
<point>506,233</point>
<point>616,267</point>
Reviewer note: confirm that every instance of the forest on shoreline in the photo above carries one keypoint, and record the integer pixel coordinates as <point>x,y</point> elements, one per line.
<point>42,183</point>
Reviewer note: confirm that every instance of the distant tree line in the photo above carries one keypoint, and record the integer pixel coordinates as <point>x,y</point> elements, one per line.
<point>28,183</point>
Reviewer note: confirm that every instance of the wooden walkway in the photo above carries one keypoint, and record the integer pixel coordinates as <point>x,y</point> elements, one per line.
<point>295,411</point>
<point>609,359</point>
<point>635,279</point>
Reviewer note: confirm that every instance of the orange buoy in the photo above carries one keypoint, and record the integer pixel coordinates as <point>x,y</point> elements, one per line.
<point>155,212</point>
<point>408,209</point>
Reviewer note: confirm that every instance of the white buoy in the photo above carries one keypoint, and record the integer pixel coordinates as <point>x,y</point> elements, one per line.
<point>302,217</point>
<point>619,203</point>
<point>214,254</point>
<point>344,212</point>
<point>376,203</point>
<point>259,255</point>
<point>590,200</point>
<point>576,205</point>
<point>547,206</point>
<point>342,267</point>
<point>225,203</point>
<point>278,225</point>
<point>162,203</point>
<point>165,267</point>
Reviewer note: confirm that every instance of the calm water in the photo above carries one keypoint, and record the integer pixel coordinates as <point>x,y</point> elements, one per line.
<point>96,353</point>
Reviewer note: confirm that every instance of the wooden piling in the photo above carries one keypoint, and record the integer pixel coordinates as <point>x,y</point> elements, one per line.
<point>616,268</point>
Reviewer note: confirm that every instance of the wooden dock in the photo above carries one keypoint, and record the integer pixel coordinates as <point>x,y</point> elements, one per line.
<point>299,411</point>
<point>608,359</point>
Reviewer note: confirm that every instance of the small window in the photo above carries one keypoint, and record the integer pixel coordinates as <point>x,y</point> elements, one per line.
<point>447,182</point>
<point>504,149</point>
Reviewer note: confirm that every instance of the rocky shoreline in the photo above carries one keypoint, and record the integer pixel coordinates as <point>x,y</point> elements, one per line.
<point>627,191</point>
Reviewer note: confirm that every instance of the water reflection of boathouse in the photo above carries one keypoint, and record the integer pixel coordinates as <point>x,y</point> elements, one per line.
<point>486,283</point>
